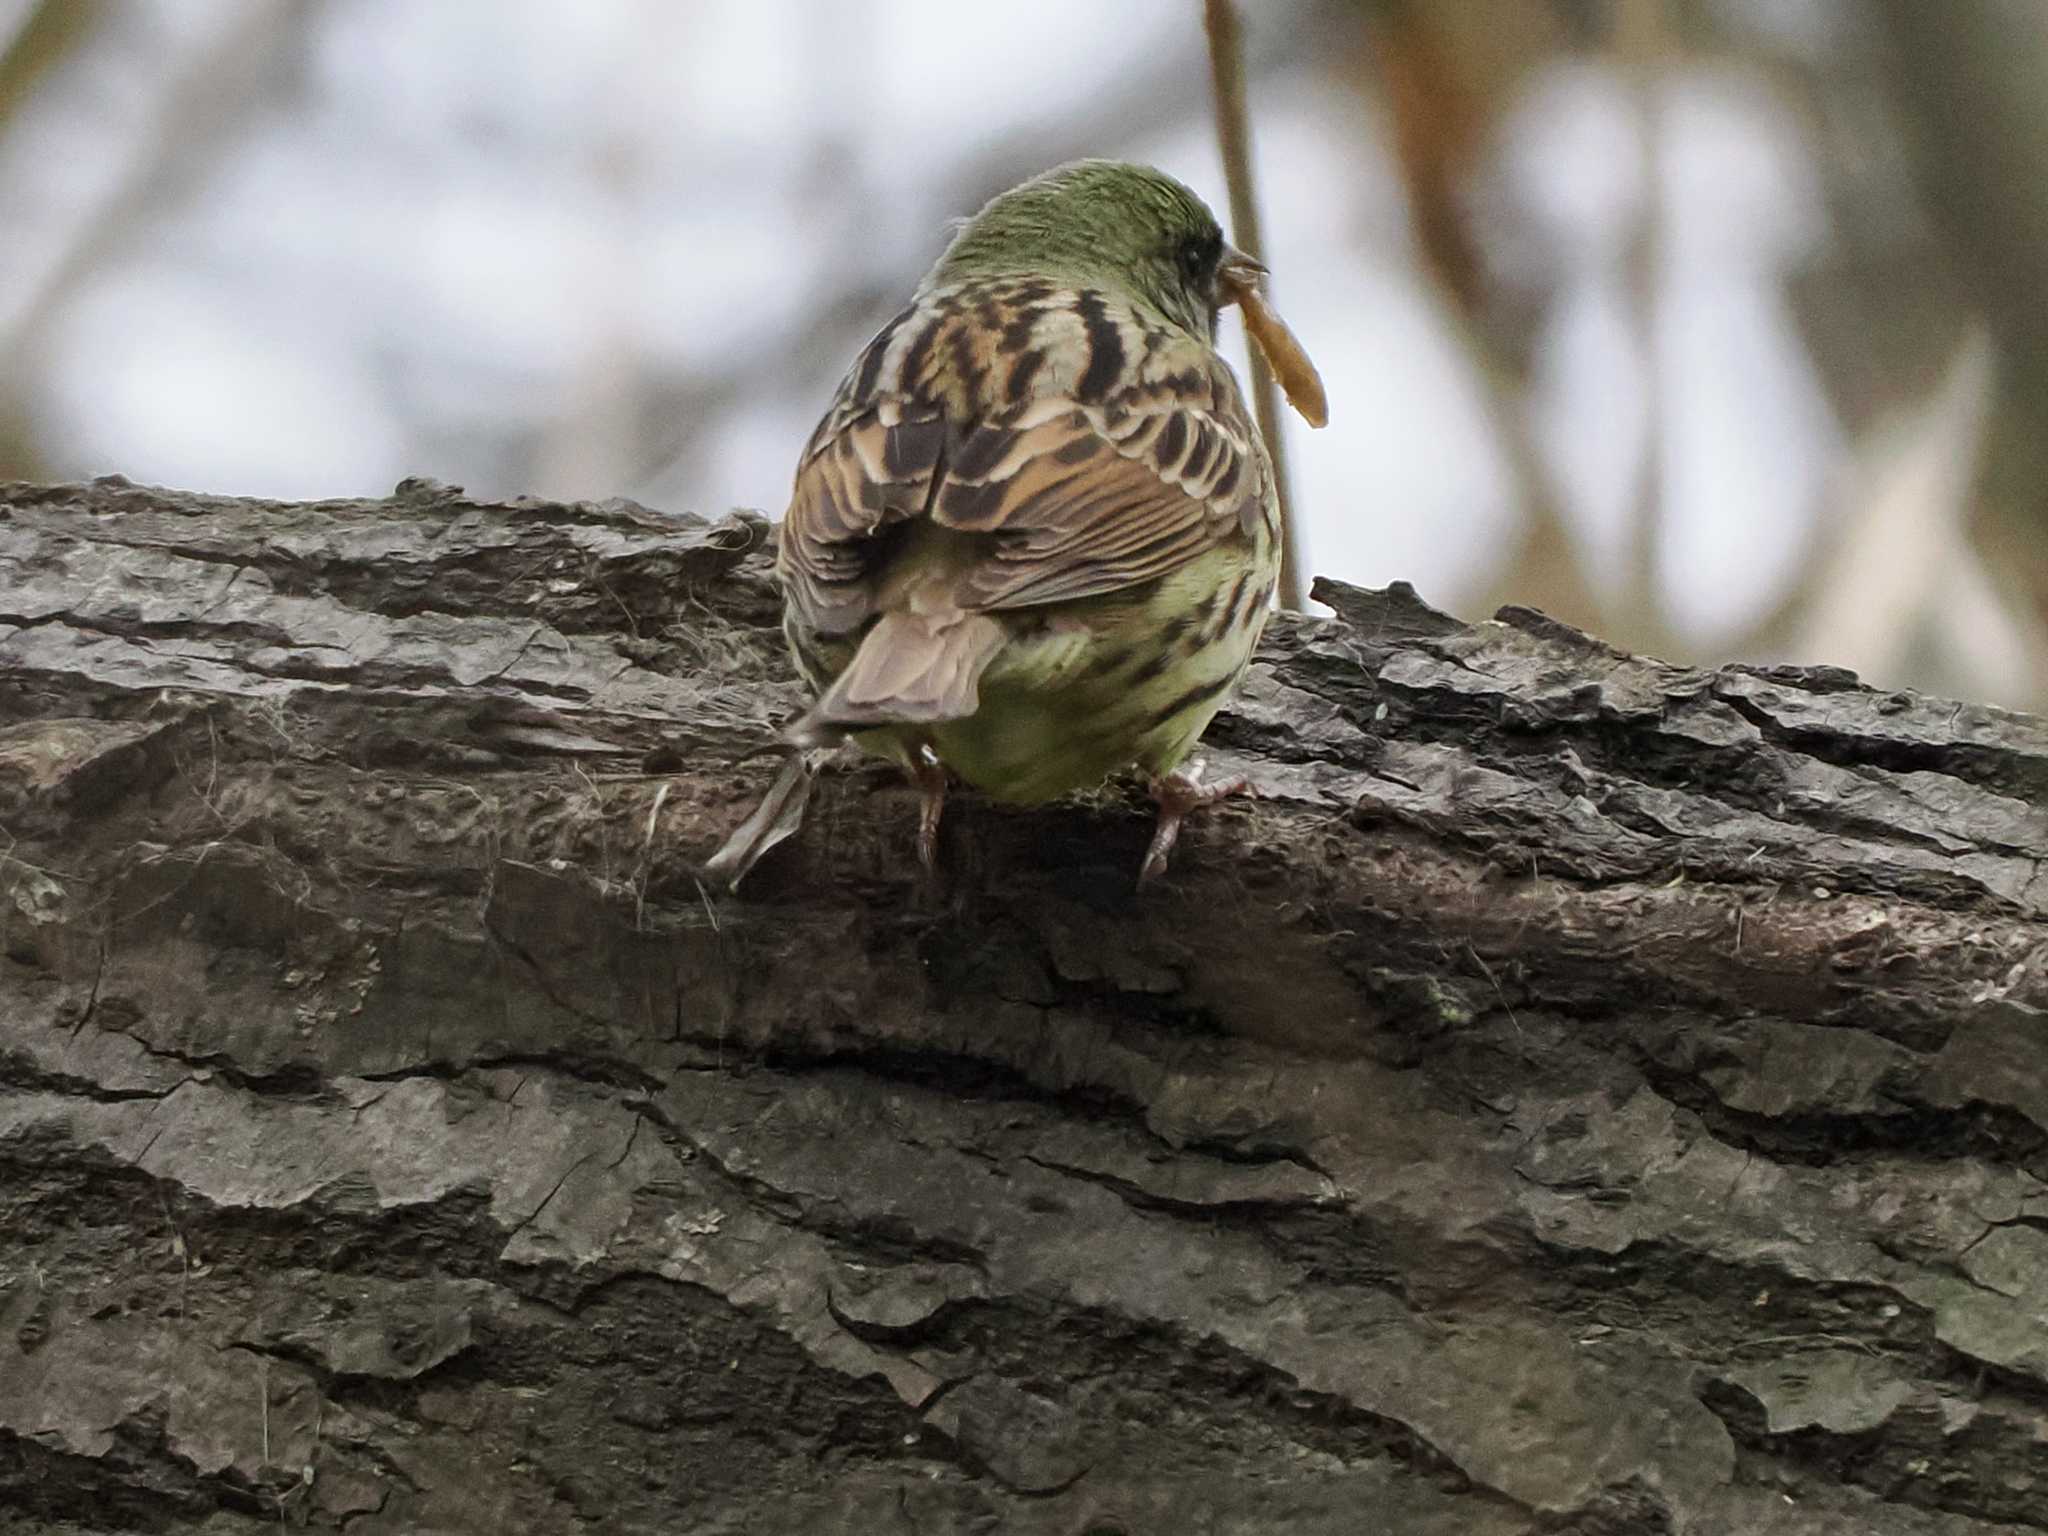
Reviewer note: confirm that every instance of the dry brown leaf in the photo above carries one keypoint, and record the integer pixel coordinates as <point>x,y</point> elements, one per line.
<point>1284,355</point>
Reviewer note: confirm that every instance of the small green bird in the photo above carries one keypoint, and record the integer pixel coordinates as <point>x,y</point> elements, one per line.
<point>1035,538</point>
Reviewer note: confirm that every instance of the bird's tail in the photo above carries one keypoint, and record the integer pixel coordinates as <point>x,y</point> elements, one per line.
<point>911,668</point>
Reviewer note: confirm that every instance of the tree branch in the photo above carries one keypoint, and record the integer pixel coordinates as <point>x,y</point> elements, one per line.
<point>1582,1094</point>
<point>1234,144</point>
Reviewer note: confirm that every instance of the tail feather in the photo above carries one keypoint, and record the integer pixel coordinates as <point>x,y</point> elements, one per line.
<point>911,668</point>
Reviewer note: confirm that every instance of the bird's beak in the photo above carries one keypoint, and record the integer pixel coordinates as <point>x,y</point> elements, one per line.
<point>1238,272</point>
<point>1238,277</point>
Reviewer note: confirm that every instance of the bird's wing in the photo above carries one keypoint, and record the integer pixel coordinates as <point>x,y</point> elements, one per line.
<point>1081,449</point>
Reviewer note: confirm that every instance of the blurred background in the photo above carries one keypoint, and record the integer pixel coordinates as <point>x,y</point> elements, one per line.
<point>1714,326</point>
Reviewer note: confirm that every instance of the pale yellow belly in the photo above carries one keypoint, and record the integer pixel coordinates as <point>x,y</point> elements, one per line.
<point>1103,686</point>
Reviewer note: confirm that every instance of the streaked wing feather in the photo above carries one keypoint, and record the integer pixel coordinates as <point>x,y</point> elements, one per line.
<point>867,476</point>
<point>1087,479</point>
<point>1131,532</point>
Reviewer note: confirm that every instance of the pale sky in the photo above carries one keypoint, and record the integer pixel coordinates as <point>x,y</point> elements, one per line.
<point>480,239</point>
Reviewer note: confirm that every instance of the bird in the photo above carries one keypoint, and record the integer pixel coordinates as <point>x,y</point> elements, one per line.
<point>1035,537</point>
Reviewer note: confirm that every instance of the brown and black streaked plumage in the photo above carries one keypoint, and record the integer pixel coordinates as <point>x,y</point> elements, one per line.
<point>1034,539</point>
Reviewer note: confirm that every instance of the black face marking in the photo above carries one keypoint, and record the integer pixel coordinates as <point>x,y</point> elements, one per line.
<point>1197,256</point>
<point>1105,348</point>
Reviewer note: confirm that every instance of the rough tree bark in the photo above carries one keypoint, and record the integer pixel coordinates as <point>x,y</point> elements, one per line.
<point>1583,1094</point>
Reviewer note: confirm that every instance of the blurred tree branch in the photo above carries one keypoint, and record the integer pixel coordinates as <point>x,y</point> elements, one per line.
<point>45,38</point>
<point>1234,144</point>
<point>1972,88</point>
<point>1448,71</point>
<point>205,87</point>
<point>1645,48</point>
<point>1884,322</point>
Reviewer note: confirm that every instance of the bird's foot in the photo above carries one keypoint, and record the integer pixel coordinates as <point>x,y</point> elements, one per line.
<point>929,774</point>
<point>1178,793</point>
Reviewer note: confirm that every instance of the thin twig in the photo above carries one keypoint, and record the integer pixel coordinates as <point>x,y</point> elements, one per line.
<point>1645,45</point>
<point>1234,141</point>
<point>647,859</point>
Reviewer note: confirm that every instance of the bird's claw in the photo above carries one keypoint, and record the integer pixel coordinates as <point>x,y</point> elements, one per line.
<point>929,774</point>
<point>1177,794</point>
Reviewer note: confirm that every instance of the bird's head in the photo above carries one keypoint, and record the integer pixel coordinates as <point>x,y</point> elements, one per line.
<point>1133,231</point>
<point>1107,224</point>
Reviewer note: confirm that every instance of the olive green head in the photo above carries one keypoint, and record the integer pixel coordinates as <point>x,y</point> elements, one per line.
<point>1106,224</point>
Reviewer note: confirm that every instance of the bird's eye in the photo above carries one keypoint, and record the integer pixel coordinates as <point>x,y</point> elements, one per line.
<point>1198,253</point>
